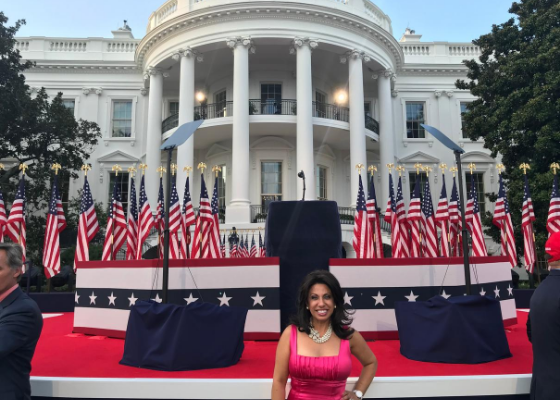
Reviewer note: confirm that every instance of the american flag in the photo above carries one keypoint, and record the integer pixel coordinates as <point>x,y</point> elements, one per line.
<point>442,218</point>
<point>201,244</point>
<point>363,237</point>
<point>253,253</point>
<point>455,222</point>
<point>187,219</point>
<point>404,241</point>
<point>240,252</point>
<point>3,217</point>
<point>223,248</point>
<point>262,250</point>
<point>502,219</point>
<point>528,216</point>
<point>115,235</point>
<point>160,217</point>
<point>474,222</point>
<point>415,220</point>
<point>146,221</point>
<point>197,244</point>
<point>132,224</point>
<point>391,218</point>
<point>174,221</point>
<point>51,246</point>
<point>233,253</point>
<point>429,242</point>
<point>373,217</point>
<point>553,222</point>
<point>60,210</point>
<point>88,226</point>
<point>246,246</point>
<point>215,242</point>
<point>15,226</point>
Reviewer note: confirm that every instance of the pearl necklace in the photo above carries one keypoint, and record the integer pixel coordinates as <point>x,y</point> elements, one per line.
<point>314,334</point>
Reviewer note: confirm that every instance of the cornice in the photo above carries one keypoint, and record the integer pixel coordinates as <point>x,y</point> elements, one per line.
<point>267,10</point>
<point>90,69</point>
<point>428,70</point>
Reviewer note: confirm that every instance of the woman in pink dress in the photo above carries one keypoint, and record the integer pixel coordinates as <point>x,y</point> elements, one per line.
<point>315,350</point>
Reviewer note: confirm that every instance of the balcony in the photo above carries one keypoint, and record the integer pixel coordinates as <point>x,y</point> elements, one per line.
<point>270,107</point>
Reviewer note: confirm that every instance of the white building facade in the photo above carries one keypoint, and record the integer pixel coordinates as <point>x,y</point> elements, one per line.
<point>312,85</point>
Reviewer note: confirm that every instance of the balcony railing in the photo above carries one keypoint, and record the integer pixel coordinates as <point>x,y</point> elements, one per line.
<point>269,107</point>
<point>221,214</point>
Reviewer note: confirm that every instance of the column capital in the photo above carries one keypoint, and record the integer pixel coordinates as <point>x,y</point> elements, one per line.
<point>299,42</point>
<point>355,54</point>
<point>153,71</point>
<point>394,93</point>
<point>449,93</point>
<point>188,52</point>
<point>144,91</point>
<point>245,41</point>
<point>437,94</point>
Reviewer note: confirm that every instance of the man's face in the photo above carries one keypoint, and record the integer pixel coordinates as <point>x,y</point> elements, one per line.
<point>8,277</point>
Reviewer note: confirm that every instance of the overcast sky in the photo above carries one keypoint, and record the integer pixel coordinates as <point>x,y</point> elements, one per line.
<point>436,20</point>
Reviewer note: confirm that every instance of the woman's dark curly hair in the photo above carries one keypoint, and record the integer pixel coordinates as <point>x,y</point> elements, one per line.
<point>340,318</point>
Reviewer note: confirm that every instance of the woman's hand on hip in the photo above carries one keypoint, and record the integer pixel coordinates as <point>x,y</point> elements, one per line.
<point>349,396</point>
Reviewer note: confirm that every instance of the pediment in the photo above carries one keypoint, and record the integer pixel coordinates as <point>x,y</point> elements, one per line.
<point>325,150</point>
<point>118,156</point>
<point>272,143</point>
<point>477,157</point>
<point>217,150</point>
<point>419,157</point>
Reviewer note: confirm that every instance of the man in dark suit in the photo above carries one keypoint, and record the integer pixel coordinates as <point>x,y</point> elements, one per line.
<point>20,327</point>
<point>545,328</point>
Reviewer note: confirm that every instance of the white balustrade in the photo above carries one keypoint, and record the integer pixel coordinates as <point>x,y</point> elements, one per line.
<point>416,50</point>
<point>166,10</point>
<point>465,50</point>
<point>68,45</point>
<point>22,46</point>
<point>121,47</point>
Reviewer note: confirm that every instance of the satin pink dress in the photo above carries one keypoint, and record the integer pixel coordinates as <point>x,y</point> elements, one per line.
<point>318,378</point>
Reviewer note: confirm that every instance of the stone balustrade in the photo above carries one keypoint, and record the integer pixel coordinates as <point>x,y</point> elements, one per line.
<point>419,49</point>
<point>122,47</point>
<point>439,52</point>
<point>68,45</point>
<point>22,45</point>
<point>465,50</point>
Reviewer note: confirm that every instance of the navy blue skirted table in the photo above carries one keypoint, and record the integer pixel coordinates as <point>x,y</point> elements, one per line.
<point>459,330</point>
<point>169,337</point>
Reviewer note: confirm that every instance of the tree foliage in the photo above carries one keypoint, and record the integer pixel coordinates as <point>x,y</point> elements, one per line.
<point>517,111</point>
<point>37,131</point>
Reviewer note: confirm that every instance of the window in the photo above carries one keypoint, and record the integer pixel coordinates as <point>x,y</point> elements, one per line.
<point>479,183</point>
<point>69,104</point>
<point>367,109</point>
<point>173,108</point>
<point>415,117</point>
<point>463,111</point>
<point>320,105</point>
<point>122,119</point>
<point>321,182</point>
<point>271,98</point>
<point>271,182</point>
<point>412,182</point>
<point>221,104</point>
<point>222,187</point>
<point>123,187</point>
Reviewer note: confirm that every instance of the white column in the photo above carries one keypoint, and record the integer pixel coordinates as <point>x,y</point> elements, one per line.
<point>386,138</point>
<point>305,156</point>
<point>153,141</point>
<point>357,119</point>
<point>239,210</point>
<point>185,152</point>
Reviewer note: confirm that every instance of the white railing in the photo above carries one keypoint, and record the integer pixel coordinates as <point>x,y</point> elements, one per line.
<point>416,49</point>
<point>22,46</point>
<point>464,50</point>
<point>166,10</point>
<point>68,45</point>
<point>121,47</point>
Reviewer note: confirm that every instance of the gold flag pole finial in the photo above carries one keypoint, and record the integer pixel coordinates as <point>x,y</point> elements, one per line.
<point>23,167</point>
<point>443,167</point>
<point>143,167</point>
<point>453,170</point>
<point>390,166</point>
<point>524,167</point>
<point>174,169</point>
<point>427,170</point>
<point>117,168</point>
<point>187,169</point>
<point>418,167</point>
<point>1,166</point>
<point>554,166</point>
<point>131,171</point>
<point>216,169</point>
<point>400,170</point>
<point>201,166</point>
<point>472,167</point>
<point>85,168</point>
<point>161,170</point>
<point>359,167</point>
<point>56,167</point>
<point>372,169</point>
<point>500,168</point>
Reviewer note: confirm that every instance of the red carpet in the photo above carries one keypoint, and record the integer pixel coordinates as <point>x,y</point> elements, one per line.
<point>63,354</point>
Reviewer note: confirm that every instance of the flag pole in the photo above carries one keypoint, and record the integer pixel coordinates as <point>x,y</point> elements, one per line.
<point>201,166</point>
<point>187,237</point>
<point>464,232</point>
<point>23,167</point>
<point>165,280</point>
<point>115,168</point>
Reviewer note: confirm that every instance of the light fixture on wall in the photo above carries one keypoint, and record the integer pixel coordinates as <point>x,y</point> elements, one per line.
<point>200,97</point>
<point>340,97</point>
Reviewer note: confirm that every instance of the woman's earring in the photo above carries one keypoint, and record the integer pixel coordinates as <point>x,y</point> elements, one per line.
<point>335,307</point>
<point>307,308</point>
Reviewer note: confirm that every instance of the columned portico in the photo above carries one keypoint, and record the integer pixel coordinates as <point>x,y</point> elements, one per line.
<point>239,210</point>
<point>305,159</point>
<point>185,152</point>
<point>357,118</point>
<point>153,140</point>
<point>386,145</point>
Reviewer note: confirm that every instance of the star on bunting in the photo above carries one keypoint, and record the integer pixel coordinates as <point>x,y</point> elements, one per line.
<point>257,299</point>
<point>348,299</point>
<point>224,300</point>
<point>379,299</point>
<point>112,299</point>
<point>92,298</point>
<point>190,299</point>
<point>132,300</point>
<point>411,297</point>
